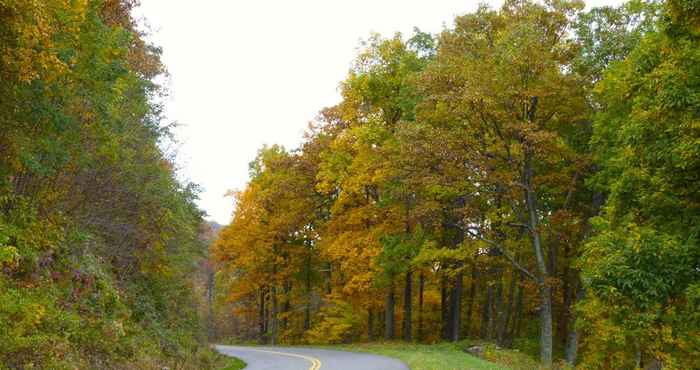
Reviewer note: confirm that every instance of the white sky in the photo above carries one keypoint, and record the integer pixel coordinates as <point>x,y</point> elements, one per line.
<point>248,73</point>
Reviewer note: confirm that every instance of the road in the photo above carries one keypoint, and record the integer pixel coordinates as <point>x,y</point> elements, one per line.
<point>293,358</point>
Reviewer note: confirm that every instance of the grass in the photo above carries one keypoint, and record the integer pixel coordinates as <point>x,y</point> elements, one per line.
<point>235,364</point>
<point>441,356</point>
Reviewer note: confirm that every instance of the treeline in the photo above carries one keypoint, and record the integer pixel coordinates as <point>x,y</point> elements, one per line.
<point>530,176</point>
<point>98,239</point>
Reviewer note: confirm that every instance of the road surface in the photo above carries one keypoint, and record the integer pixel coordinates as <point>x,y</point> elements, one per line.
<point>292,358</point>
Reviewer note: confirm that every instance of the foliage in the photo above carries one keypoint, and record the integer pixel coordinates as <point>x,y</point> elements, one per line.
<point>337,323</point>
<point>528,177</point>
<point>97,236</point>
<point>642,264</point>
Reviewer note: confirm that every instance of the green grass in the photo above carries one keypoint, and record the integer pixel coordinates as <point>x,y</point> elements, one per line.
<point>235,364</point>
<point>441,356</point>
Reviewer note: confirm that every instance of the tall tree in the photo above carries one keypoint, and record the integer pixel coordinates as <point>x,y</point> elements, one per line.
<point>641,266</point>
<point>501,82</point>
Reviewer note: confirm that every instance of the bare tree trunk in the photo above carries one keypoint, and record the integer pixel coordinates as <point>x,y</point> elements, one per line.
<point>389,330</point>
<point>407,308</point>
<point>370,325</point>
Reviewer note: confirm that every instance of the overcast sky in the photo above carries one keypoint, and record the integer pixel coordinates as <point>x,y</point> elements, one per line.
<point>248,73</point>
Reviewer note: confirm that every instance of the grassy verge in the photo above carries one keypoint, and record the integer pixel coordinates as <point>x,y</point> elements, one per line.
<point>234,364</point>
<point>441,356</point>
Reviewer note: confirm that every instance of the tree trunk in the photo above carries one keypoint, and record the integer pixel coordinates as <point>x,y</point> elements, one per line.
<point>211,329</point>
<point>407,307</point>
<point>307,307</point>
<point>498,306</point>
<point>444,309</point>
<point>286,307</point>
<point>572,337</point>
<point>370,325</point>
<point>273,319</point>
<point>329,282</point>
<point>545,324</point>
<point>421,287</point>
<point>263,327</point>
<point>381,320</point>
<point>565,311</point>
<point>544,289</point>
<point>518,318</point>
<point>489,310</point>
<point>456,308</point>
<point>502,340</point>
<point>472,296</point>
<point>486,311</point>
<point>389,330</point>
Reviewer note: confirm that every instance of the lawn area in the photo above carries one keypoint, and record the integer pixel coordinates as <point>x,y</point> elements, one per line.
<point>442,356</point>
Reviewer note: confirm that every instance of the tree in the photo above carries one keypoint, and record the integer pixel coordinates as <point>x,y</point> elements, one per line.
<point>641,264</point>
<point>500,81</point>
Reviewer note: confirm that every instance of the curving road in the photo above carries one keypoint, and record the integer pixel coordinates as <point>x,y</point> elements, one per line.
<point>292,358</point>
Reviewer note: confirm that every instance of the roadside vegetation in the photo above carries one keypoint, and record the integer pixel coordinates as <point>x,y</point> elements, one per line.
<point>235,364</point>
<point>99,241</point>
<point>528,177</point>
<point>447,356</point>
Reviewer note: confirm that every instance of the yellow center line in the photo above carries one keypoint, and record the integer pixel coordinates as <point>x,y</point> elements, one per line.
<point>315,363</point>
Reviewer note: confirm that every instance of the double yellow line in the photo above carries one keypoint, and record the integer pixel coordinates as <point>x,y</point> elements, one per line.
<point>315,363</point>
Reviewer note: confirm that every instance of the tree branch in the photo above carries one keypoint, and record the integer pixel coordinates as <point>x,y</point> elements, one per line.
<point>504,252</point>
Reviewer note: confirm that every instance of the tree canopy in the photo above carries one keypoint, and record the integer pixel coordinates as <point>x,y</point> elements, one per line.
<point>533,169</point>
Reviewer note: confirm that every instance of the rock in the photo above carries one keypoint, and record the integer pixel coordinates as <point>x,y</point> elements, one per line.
<point>477,351</point>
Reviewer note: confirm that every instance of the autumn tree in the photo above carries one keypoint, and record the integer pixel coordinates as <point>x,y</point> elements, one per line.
<point>501,81</point>
<point>523,163</point>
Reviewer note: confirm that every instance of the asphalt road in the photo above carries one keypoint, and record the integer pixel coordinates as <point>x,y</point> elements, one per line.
<point>292,358</point>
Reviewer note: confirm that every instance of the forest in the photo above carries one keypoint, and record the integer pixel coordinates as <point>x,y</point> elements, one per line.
<point>530,177</point>
<point>101,244</point>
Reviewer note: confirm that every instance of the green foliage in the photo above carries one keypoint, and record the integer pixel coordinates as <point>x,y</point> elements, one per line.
<point>97,236</point>
<point>642,263</point>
